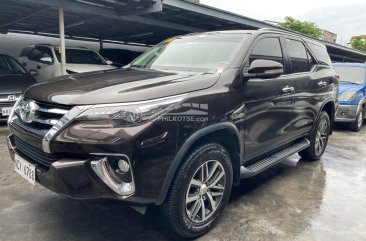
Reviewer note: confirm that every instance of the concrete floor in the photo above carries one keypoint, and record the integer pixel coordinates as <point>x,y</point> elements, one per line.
<point>323,200</point>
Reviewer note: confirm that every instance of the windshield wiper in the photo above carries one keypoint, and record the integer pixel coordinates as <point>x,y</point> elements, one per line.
<point>136,66</point>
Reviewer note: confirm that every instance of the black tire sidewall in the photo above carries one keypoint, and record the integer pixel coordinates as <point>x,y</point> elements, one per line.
<point>354,126</point>
<point>323,115</point>
<point>185,226</point>
<point>181,203</point>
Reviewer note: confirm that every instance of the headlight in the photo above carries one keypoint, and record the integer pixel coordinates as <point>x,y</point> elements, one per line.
<point>129,114</point>
<point>347,96</point>
<point>11,116</point>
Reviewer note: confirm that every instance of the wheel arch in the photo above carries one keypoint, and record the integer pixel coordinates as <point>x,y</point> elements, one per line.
<point>225,134</point>
<point>329,107</point>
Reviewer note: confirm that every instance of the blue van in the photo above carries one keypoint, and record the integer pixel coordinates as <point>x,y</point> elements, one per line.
<point>352,94</point>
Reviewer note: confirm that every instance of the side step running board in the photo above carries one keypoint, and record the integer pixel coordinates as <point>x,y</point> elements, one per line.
<point>267,162</point>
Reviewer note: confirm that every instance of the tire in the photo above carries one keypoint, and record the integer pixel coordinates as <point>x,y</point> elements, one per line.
<point>186,220</point>
<point>356,126</point>
<point>318,139</point>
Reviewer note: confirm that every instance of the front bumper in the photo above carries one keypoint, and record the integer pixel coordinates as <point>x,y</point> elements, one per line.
<point>346,113</point>
<point>74,177</point>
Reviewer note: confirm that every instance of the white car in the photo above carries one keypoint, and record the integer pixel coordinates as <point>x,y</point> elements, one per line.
<point>46,60</point>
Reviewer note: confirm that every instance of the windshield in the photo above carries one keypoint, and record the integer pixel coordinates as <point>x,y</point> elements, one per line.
<point>80,56</point>
<point>9,66</point>
<point>199,53</point>
<point>355,75</point>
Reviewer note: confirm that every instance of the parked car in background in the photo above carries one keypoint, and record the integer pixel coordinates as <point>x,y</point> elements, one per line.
<point>352,94</point>
<point>180,125</point>
<point>119,57</point>
<point>13,80</point>
<point>46,60</point>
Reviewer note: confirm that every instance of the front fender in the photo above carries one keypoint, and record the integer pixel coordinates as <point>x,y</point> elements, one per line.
<point>186,147</point>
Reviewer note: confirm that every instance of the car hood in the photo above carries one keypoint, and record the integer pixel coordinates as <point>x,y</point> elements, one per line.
<point>15,84</point>
<point>117,86</point>
<point>346,87</point>
<point>82,68</point>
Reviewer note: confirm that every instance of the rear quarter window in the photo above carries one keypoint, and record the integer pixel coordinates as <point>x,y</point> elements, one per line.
<point>320,53</point>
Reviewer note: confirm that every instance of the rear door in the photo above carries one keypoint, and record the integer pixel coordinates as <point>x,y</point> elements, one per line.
<point>267,101</point>
<point>310,84</point>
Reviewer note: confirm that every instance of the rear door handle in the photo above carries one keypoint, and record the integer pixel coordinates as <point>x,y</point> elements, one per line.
<point>288,89</point>
<point>322,83</point>
<point>38,67</point>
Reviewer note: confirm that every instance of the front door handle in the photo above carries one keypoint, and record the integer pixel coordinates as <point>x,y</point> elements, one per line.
<point>322,83</point>
<point>38,67</point>
<point>288,89</point>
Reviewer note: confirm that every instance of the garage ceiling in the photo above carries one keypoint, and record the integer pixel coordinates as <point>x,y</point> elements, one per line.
<point>137,21</point>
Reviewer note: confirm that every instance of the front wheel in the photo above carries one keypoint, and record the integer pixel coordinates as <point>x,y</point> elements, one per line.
<point>199,192</point>
<point>356,126</point>
<point>318,139</point>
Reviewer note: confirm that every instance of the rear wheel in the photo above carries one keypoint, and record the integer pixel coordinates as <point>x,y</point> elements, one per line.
<point>199,193</point>
<point>318,139</point>
<point>356,126</point>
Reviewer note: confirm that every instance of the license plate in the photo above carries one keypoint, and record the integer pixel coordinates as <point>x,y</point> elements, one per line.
<point>6,111</point>
<point>25,169</point>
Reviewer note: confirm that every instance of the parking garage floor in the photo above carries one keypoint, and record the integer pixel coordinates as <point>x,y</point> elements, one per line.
<point>295,200</point>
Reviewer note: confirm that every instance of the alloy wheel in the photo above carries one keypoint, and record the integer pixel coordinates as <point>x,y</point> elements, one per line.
<point>359,120</point>
<point>321,137</point>
<point>205,191</point>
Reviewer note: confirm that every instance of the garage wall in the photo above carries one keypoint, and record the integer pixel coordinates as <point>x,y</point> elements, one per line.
<point>13,43</point>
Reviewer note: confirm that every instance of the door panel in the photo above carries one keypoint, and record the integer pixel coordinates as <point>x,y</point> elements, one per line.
<point>268,116</point>
<point>312,90</point>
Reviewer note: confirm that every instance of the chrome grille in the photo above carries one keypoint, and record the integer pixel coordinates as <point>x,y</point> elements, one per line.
<point>5,97</point>
<point>46,116</point>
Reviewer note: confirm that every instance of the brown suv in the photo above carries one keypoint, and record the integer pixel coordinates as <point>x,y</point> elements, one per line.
<point>180,125</point>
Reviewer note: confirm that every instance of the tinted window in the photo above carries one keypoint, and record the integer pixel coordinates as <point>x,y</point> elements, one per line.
<point>298,56</point>
<point>351,74</point>
<point>267,48</point>
<point>9,66</point>
<point>40,52</point>
<point>26,51</point>
<point>119,56</point>
<point>80,56</point>
<point>35,55</point>
<point>321,54</point>
<point>46,52</point>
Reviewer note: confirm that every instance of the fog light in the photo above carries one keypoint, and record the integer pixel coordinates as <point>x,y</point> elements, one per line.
<point>123,166</point>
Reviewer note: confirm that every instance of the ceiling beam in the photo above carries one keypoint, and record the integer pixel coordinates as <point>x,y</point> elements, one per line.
<point>130,15</point>
<point>29,14</point>
<point>215,12</point>
<point>80,7</point>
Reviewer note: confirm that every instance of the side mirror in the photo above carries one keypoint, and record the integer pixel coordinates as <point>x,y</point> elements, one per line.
<point>33,72</point>
<point>46,60</point>
<point>109,62</point>
<point>262,68</point>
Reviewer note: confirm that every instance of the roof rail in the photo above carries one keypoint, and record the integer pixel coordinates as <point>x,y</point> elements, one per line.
<point>284,30</point>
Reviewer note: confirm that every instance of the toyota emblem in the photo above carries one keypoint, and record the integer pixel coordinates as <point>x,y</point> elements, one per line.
<point>27,110</point>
